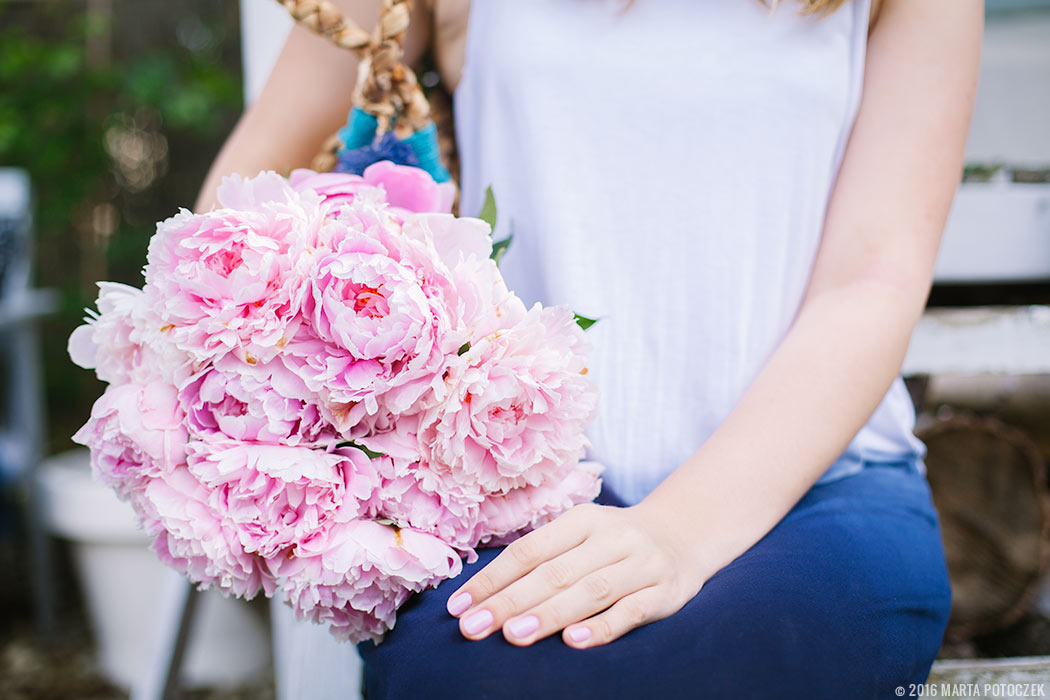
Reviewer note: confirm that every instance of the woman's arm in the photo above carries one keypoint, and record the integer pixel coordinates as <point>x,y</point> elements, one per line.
<point>868,287</point>
<point>305,100</point>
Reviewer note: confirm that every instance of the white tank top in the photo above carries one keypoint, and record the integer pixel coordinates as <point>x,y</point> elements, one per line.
<point>667,167</point>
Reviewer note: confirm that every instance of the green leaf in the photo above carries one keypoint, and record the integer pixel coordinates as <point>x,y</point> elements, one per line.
<point>463,349</point>
<point>488,209</point>
<point>584,322</point>
<point>499,248</point>
<point>368,452</point>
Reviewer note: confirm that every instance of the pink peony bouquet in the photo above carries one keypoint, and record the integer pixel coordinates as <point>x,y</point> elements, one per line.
<point>326,392</point>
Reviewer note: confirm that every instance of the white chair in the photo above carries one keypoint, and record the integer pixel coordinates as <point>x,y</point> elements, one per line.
<point>22,432</point>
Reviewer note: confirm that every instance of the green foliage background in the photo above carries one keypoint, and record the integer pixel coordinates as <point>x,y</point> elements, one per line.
<point>116,108</point>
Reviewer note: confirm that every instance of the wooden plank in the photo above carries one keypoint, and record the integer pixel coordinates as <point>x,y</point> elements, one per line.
<point>996,232</point>
<point>1013,94</point>
<point>1006,679</point>
<point>983,339</point>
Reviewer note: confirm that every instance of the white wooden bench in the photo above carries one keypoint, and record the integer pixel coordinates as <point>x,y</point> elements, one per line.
<point>998,232</point>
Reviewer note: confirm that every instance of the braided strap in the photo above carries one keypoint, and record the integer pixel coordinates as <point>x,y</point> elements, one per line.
<point>325,18</point>
<point>386,88</point>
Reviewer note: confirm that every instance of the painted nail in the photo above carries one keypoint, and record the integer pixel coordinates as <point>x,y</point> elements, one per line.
<point>579,634</point>
<point>477,621</point>
<point>524,626</point>
<point>458,604</point>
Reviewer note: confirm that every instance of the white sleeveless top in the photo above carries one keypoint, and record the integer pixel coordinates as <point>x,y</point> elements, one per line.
<point>667,167</point>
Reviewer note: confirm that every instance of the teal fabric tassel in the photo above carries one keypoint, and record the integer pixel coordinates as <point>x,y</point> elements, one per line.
<point>425,143</point>
<point>360,129</point>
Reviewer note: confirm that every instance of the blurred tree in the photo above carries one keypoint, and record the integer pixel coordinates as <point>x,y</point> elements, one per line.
<point>116,108</point>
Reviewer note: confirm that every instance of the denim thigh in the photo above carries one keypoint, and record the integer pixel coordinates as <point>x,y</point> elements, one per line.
<point>847,596</point>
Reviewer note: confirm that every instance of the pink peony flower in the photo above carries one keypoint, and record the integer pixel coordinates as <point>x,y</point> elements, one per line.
<point>482,301</point>
<point>453,239</point>
<point>275,496</point>
<point>227,279</point>
<point>383,316</point>
<point>135,433</point>
<point>411,189</point>
<point>504,517</point>
<point>344,385</point>
<point>355,575</point>
<point>337,189</point>
<point>259,403</point>
<point>123,342</point>
<point>193,539</point>
<point>515,409</point>
<point>405,188</point>
<point>402,499</point>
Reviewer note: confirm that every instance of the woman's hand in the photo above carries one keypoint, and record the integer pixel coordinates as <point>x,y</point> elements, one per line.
<point>596,572</point>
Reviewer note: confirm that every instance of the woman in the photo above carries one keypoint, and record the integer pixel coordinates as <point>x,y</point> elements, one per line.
<point>750,198</point>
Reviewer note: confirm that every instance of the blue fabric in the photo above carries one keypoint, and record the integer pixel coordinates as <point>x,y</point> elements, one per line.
<point>847,597</point>
<point>386,147</point>
<point>361,148</point>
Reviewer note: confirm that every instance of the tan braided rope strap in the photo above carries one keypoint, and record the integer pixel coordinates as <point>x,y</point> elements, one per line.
<point>325,18</point>
<point>386,88</point>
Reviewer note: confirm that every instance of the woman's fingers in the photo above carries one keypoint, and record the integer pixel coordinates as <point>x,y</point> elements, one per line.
<point>595,572</point>
<point>541,584</point>
<point>591,594</point>
<point>516,560</point>
<point>635,610</point>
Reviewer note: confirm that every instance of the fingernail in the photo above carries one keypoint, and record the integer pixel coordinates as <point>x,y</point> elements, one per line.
<point>524,626</point>
<point>458,604</point>
<point>477,621</point>
<point>579,634</point>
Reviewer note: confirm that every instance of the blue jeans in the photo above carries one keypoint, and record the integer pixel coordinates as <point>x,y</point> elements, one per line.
<point>847,597</point>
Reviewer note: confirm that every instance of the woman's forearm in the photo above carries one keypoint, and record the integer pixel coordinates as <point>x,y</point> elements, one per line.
<point>812,396</point>
<point>817,389</point>
<point>869,281</point>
